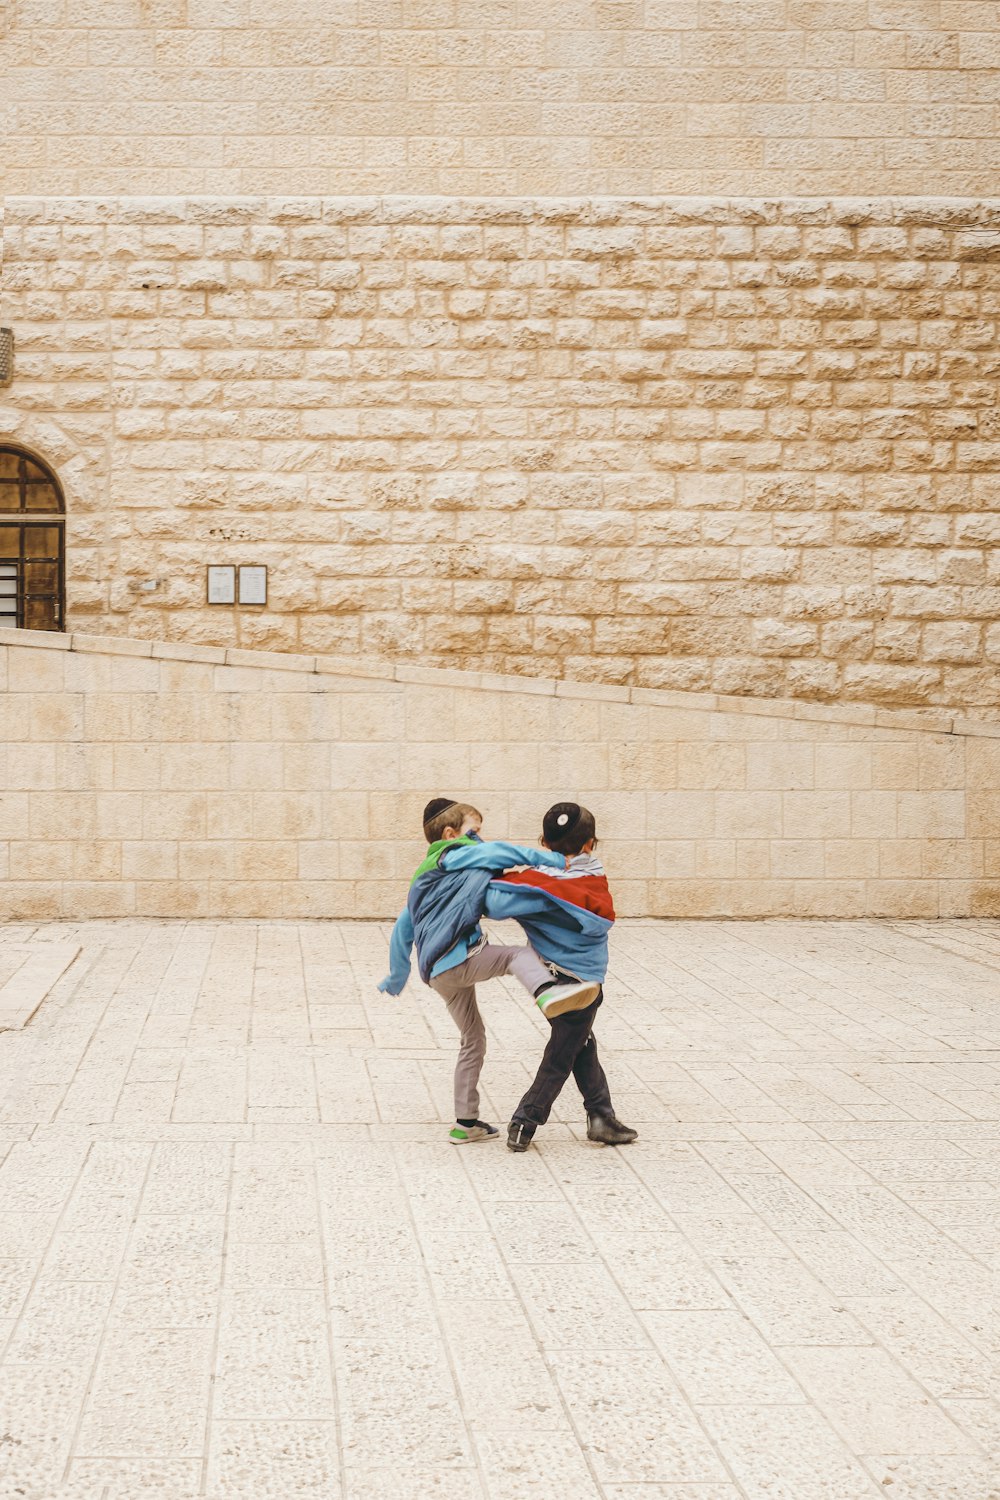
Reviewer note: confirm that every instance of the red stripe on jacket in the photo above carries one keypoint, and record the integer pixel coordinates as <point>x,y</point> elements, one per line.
<point>589,891</point>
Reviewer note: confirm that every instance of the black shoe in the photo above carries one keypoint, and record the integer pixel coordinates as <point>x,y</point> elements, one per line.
<point>608,1130</point>
<point>519,1136</point>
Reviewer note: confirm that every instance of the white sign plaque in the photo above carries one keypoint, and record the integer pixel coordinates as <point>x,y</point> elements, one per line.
<point>221,584</point>
<point>253,584</point>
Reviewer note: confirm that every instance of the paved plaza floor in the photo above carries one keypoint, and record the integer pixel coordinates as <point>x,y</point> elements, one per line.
<point>239,1258</point>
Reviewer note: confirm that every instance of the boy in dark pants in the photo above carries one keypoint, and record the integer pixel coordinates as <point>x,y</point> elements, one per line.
<point>567,916</point>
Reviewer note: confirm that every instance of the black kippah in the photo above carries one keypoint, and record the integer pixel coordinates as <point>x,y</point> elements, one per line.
<point>560,821</point>
<point>437,805</point>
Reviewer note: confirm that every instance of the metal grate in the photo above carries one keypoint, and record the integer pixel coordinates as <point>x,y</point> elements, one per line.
<point>6,356</point>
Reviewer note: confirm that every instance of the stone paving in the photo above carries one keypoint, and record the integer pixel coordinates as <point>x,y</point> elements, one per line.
<point>238,1257</point>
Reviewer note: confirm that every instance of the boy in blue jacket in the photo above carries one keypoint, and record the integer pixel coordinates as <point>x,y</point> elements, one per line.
<point>567,916</point>
<point>442,918</point>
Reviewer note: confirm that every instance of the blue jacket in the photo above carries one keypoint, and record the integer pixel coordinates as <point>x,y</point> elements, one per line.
<point>442,915</point>
<point>569,936</point>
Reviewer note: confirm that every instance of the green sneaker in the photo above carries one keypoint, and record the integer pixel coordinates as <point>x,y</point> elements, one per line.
<point>464,1135</point>
<point>562,995</point>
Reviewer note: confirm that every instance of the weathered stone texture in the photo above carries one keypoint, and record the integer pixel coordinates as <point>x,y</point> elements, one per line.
<point>154,779</point>
<point>500,96</point>
<point>735,445</point>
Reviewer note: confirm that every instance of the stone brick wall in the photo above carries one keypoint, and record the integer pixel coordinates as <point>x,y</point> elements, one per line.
<point>158,779</point>
<point>730,445</point>
<point>501,96</point>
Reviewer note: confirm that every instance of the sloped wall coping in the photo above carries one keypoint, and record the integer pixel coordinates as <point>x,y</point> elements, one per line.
<point>933,720</point>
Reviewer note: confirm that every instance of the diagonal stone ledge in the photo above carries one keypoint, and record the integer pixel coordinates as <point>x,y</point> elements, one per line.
<point>931,720</point>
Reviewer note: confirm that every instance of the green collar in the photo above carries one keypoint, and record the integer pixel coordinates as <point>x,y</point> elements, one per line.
<point>432,858</point>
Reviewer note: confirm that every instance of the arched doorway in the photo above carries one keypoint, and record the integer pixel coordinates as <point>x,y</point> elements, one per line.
<point>32,542</point>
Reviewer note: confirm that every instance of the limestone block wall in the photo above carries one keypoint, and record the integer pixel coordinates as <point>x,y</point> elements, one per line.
<point>743,446</point>
<point>163,779</point>
<point>755,97</point>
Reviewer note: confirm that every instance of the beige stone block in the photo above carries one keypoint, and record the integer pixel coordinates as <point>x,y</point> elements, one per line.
<point>675,859</point>
<point>715,859</point>
<point>365,767</point>
<point>57,815</point>
<point>690,898</point>
<point>797,859</point>
<point>286,815</point>
<point>367,860</point>
<point>504,767</point>
<point>830,898</point>
<point>194,767</point>
<point>319,860</point>
<point>952,859</point>
<point>138,674</point>
<point>852,859</point>
<point>136,767</point>
<point>26,901</point>
<point>982,765</point>
<point>748,815</point>
<point>874,815</point>
<point>844,767</point>
<point>118,815</point>
<point>56,716</point>
<point>108,716</point>
<point>203,860</point>
<point>765,898</point>
<point>246,898</point>
<point>83,899</point>
<point>932,815</point>
<point>817,815</point>
<point>36,671</point>
<point>255,766</point>
<point>899,859</point>
<point>306,767</point>
<point>265,859</point>
<point>41,859</point>
<point>568,765</point>
<point>424,714</point>
<point>711,767</point>
<point>29,767</point>
<point>174,898</point>
<point>895,767</point>
<point>682,815</point>
<point>174,815</point>
<point>322,898</point>
<point>941,764</point>
<point>229,815</point>
<point>98,860</point>
<point>902,898</point>
<point>649,767</point>
<point>753,859</point>
<point>149,859</point>
<point>780,766</point>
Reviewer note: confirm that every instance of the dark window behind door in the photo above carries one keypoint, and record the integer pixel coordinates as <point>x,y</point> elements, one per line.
<point>32,543</point>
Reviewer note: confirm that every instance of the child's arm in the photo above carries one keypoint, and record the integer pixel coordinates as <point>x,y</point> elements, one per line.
<point>399,955</point>
<point>497,854</point>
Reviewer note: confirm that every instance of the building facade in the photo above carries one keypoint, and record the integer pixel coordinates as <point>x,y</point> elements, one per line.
<point>652,344</point>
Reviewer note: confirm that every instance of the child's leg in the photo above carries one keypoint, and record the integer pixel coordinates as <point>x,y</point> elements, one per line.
<point>569,1036</point>
<point>591,1079</point>
<point>464,1012</point>
<point>493,959</point>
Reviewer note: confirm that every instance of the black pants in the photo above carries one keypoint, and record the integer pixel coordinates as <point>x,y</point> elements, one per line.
<point>571,1048</point>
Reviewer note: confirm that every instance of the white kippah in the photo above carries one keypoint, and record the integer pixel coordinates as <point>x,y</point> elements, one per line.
<point>562,819</point>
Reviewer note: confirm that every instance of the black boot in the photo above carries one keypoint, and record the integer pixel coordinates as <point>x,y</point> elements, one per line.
<point>609,1131</point>
<point>519,1136</point>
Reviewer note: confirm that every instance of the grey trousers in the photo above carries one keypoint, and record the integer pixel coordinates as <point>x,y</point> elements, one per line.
<point>457,987</point>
